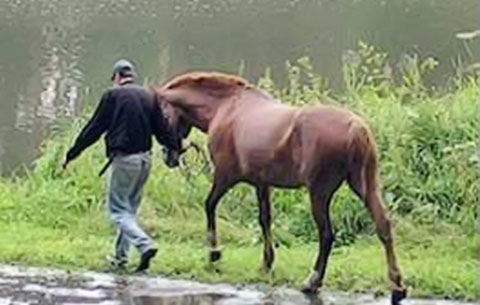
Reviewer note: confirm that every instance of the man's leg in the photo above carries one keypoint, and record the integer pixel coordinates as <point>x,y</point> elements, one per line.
<point>137,192</point>
<point>136,200</point>
<point>127,174</point>
<point>120,258</point>
<point>122,247</point>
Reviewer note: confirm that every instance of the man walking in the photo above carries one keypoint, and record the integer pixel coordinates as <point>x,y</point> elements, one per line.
<point>129,116</point>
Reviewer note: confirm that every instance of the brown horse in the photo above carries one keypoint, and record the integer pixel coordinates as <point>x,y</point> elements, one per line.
<point>255,139</point>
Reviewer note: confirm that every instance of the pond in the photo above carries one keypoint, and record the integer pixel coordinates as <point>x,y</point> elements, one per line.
<point>57,54</point>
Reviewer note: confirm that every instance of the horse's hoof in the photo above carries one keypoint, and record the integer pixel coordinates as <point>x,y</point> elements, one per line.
<point>215,255</point>
<point>312,284</point>
<point>398,296</point>
<point>265,269</point>
<point>267,266</point>
<point>306,289</point>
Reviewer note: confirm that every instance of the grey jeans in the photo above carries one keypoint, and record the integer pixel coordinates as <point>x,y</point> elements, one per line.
<point>127,176</point>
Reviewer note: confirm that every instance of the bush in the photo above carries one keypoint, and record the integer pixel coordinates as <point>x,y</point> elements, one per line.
<point>426,143</point>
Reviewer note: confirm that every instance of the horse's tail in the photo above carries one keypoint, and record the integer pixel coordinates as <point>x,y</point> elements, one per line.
<point>362,163</point>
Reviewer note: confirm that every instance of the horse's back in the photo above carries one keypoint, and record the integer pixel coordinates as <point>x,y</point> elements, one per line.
<point>244,137</point>
<point>260,132</point>
<point>281,145</point>
<point>324,134</point>
<point>289,146</point>
<point>327,124</point>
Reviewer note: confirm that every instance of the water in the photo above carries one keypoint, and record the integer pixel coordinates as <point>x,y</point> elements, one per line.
<point>20,285</point>
<point>55,54</point>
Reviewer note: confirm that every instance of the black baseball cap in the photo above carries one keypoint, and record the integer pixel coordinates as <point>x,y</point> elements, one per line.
<point>125,67</point>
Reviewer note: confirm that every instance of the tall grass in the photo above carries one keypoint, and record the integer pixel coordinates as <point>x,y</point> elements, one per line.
<point>426,142</point>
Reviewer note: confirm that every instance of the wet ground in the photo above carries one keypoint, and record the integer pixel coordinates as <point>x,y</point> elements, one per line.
<point>22,285</point>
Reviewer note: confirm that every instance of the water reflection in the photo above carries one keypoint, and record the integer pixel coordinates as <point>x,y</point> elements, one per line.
<point>186,299</point>
<point>58,53</point>
<point>19,285</point>
<point>173,295</point>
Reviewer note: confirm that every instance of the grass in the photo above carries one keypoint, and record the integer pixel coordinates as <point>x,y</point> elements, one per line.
<point>436,261</point>
<point>429,167</point>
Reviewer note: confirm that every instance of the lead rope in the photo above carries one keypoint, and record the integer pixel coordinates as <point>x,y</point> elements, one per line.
<point>187,167</point>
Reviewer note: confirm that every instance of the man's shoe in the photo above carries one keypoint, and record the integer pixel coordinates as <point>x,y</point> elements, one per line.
<point>116,264</point>
<point>145,260</point>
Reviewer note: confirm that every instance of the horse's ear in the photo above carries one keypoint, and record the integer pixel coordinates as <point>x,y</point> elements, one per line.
<point>154,92</point>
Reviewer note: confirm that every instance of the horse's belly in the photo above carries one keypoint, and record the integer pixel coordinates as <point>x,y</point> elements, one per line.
<point>280,179</point>
<point>279,167</point>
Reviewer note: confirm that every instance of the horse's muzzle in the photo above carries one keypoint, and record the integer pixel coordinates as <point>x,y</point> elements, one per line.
<point>171,158</point>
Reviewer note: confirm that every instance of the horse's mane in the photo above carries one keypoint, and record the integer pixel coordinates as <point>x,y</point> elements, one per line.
<point>209,80</point>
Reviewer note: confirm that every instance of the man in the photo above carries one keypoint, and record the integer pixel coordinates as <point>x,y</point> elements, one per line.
<point>129,116</point>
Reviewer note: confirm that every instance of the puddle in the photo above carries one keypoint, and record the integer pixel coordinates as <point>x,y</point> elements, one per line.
<point>25,285</point>
<point>197,299</point>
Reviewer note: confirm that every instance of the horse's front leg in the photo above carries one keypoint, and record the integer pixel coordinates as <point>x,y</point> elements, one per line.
<point>218,189</point>
<point>264,217</point>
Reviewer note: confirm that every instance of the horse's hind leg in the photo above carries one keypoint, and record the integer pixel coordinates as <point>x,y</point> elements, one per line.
<point>264,217</point>
<point>321,196</point>
<point>365,186</point>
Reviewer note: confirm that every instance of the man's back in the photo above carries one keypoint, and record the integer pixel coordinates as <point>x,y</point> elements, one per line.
<point>130,126</point>
<point>129,115</point>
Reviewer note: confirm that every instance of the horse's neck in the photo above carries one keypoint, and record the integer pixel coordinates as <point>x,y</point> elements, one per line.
<point>202,118</point>
<point>204,113</point>
<point>214,105</point>
<point>262,95</point>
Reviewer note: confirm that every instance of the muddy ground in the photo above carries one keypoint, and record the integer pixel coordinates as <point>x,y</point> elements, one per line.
<point>26,285</point>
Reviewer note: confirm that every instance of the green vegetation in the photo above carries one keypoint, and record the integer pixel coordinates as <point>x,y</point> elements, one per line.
<point>426,142</point>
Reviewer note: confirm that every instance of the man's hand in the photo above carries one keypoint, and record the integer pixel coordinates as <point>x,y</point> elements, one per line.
<point>63,166</point>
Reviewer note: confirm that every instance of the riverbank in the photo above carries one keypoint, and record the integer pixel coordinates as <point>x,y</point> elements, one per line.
<point>437,261</point>
<point>39,285</point>
<point>429,169</point>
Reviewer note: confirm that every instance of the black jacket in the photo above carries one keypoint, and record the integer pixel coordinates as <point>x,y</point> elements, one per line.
<point>129,116</point>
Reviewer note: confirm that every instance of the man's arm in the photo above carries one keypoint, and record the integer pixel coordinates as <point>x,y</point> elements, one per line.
<point>93,130</point>
<point>162,130</point>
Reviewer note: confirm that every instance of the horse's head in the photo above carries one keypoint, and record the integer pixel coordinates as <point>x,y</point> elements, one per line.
<point>193,99</point>
<point>179,126</point>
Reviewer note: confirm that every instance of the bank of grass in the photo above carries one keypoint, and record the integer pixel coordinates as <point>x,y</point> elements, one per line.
<point>428,157</point>
<point>437,261</point>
